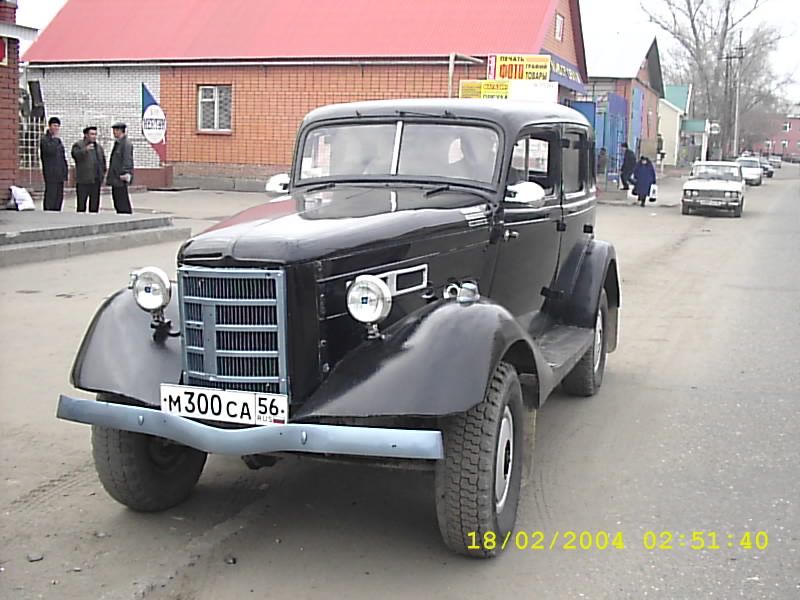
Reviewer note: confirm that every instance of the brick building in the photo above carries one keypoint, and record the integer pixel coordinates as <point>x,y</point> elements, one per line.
<point>785,141</point>
<point>234,79</point>
<point>9,110</point>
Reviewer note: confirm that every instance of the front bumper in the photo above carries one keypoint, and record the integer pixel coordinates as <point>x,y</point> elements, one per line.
<point>293,437</point>
<point>722,203</point>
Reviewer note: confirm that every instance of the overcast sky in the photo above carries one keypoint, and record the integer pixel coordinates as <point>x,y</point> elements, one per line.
<point>618,15</point>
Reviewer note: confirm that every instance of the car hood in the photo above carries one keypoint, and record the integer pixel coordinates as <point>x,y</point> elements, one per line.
<point>712,184</point>
<point>343,220</point>
<point>751,171</point>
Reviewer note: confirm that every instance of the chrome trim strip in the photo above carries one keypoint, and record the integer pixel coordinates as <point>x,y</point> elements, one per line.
<point>390,277</point>
<point>293,437</point>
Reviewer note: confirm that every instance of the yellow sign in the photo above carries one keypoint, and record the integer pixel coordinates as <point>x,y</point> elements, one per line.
<point>531,67</point>
<point>481,88</point>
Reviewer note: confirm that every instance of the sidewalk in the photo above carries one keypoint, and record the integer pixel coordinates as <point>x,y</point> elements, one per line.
<point>670,184</point>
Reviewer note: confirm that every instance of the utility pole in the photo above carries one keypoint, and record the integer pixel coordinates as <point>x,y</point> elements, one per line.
<point>739,56</point>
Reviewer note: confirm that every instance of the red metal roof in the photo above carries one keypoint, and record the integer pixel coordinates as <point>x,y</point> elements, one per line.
<point>175,30</point>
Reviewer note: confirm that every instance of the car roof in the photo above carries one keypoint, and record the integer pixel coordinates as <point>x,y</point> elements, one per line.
<point>715,163</point>
<point>509,114</point>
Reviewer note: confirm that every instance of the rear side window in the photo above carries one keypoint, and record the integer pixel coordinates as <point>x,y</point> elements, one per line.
<point>574,162</point>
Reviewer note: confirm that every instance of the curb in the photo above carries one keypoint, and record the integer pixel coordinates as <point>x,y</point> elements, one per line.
<point>31,252</point>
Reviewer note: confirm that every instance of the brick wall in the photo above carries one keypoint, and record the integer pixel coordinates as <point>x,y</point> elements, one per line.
<point>83,96</point>
<point>269,104</point>
<point>9,107</point>
<point>566,47</point>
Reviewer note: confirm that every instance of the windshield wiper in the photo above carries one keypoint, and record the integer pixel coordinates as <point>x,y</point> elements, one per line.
<point>413,113</point>
<point>436,190</point>
<point>321,186</point>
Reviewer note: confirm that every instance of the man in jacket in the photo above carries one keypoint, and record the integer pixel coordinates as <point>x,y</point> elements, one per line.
<point>120,169</point>
<point>628,164</point>
<point>90,168</point>
<point>54,165</point>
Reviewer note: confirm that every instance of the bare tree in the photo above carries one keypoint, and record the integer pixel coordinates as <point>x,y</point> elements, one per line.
<point>707,34</point>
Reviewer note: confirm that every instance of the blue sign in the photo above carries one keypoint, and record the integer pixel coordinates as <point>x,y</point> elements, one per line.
<point>566,74</point>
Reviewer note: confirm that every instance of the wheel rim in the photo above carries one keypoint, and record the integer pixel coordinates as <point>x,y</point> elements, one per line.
<point>164,454</point>
<point>598,340</point>
<point>504,465</point>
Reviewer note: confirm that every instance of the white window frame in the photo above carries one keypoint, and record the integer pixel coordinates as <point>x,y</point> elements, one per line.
<point>4,61</point>
<point>787,126</point>
<point>215,100</point>
<point>561,24</point>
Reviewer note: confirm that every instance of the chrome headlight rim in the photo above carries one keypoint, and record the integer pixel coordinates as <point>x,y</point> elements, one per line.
<point>151,289</point>
<point>371,292</point>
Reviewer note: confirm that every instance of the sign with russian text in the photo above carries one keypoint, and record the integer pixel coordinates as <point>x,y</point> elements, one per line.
<point>566,74</point>
<point>530,67</point>
<point>482,88</point>
<point>532,91</point>
<point>154,124</point>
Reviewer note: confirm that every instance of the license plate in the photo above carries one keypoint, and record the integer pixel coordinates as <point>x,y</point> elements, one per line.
<point>229,406</point>
<point>711,202</point>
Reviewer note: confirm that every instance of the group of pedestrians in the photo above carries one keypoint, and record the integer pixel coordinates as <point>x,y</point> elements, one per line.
<point>641,174</point>
<point>90,168</point>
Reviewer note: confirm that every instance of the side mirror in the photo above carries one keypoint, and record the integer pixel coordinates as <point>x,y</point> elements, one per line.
<point>527,193</point>
<point>278,184</point>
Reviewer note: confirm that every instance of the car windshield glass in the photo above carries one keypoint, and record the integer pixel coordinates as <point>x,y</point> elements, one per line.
<point>753,164</point>
<point>715,172</point>
<point>413,150</point>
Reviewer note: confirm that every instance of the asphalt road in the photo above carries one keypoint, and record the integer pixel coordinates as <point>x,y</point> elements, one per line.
<point>695,429</point>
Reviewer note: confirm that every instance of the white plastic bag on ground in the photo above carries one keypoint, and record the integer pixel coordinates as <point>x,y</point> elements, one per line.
<point>21,199</point>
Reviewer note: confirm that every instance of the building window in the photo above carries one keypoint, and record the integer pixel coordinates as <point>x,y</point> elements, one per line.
<point>3,51</point>
<point>560,27</point>
<point>214,108</point>
<point>787,126</point>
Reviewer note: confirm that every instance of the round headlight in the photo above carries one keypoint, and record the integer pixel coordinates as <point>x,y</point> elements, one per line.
<point>695,193</point>
<point>727,194</point>
<point>151,288</point>
<point>369,299</point>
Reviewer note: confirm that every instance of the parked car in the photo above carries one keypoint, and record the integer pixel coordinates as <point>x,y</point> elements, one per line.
<point>714,185</point>
<point>751,170</point>
<point>428,277</point>
<point>766,168</point>
<point>776,161</point>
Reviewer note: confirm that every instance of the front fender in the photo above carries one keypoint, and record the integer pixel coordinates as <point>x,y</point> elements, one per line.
<point>119,356</point>
<point>435,362</point>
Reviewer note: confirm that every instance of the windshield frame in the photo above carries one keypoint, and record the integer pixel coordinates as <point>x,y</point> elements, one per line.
<point>433,180</point>
<point>737,175</point>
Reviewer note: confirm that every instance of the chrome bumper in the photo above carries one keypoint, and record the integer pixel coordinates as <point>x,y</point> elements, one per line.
<point>294,437</point>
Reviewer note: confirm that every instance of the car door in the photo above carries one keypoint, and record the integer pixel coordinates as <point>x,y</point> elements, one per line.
<point>529,231</point>
<point>579,193</point>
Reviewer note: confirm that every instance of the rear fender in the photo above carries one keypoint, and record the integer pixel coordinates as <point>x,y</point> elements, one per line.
<point>119,356</point>
<point>435,362</point>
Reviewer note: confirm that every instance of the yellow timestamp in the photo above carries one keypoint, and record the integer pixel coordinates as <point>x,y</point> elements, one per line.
<point>606,540</point>
<point>705,540</point>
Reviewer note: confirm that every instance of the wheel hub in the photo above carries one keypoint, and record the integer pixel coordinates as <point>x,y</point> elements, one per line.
<point>504,459</point>
<point>598,340</point>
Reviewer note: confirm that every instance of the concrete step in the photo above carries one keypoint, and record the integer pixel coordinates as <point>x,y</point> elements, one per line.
<point>29,227</point>
<point>38,251</point>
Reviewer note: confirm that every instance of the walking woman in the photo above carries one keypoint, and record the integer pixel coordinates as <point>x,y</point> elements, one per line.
<point>644,176</point>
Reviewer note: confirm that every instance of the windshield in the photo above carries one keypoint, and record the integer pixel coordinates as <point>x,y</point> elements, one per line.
<point>413,150</point>
<point>753,164</point>
<point>715,172</point>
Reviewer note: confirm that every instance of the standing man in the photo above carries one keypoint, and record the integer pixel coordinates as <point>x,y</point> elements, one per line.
<point>628,164</point>
<point>90,168</point>
<point>120,169</point>
<point>54,165</point>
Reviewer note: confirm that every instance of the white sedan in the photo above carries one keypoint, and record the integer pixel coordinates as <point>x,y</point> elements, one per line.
<point>714,185</point>
<point>751,169</point>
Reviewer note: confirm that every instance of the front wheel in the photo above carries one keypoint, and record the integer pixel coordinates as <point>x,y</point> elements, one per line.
<point>684,209</point>
<point>587,376</point>
<point>486,451</point>
<point>144,472</point>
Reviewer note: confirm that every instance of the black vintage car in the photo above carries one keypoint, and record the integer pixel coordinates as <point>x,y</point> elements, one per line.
<point>428,275</point>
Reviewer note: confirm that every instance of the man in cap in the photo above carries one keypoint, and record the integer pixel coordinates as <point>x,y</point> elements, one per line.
<point>54,165</point>
<point>120,169</point>
<point>90,167</point>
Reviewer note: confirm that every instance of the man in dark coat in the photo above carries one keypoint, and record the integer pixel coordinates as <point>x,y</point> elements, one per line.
<point>628,164</point>
<point>120,169</point>
<point>644,176</point>
<point>54,165</point>
<point>90,168</point>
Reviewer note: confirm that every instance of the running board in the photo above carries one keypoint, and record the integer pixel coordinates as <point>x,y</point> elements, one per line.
<point>563,346</point>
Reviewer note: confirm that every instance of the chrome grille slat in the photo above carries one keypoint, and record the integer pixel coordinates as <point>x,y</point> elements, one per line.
<point>234,328</point>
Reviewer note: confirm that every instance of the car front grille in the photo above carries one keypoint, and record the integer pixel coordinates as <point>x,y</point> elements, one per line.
<point>712,194</point>
<point>233,326</point>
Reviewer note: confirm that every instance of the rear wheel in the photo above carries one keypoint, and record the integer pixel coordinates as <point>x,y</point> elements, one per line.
<point>587,376</point>
<point>144,472</point>
<point>478,482</point>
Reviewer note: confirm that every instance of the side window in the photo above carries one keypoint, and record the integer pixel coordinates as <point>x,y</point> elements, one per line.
<point>531,161</point>
<point>574,162</point>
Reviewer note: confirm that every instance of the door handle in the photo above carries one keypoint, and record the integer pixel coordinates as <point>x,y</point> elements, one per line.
<point>510,234</point>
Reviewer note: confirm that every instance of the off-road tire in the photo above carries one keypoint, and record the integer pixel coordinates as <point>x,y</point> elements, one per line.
<point>685,209</point>
<point>126,466</point>
<point>585,379</point>
<point>465,479</point>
